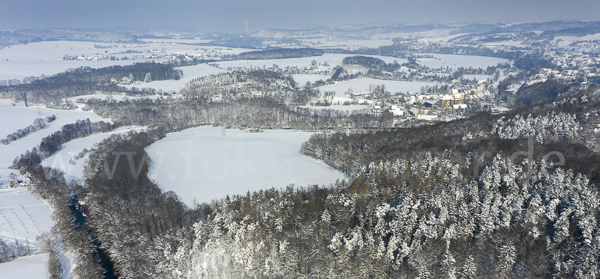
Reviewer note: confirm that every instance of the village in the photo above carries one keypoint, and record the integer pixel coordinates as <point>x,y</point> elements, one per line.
<point>415,108</point>
<point>420,88</point>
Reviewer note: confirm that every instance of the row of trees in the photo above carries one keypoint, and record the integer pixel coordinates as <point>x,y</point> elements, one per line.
<point>54,142</point>
<point>11,252</point>
<point>283,53</point>
<point>37,125</point>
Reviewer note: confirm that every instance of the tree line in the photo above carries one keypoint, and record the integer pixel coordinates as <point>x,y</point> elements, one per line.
<point>82,81</point>
<point>37,125</point>
<point>281,53</point>
<point>264,113</point>
<point>372,63</point>
<point>54,142</point>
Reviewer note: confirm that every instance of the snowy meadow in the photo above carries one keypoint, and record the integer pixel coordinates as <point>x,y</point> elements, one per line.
<point>208,163</point>
<point>363,84</point>
<point>46,58</point>
<point>456,61</point>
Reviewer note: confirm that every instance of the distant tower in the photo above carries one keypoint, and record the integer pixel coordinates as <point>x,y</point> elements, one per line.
<point>246,23</point>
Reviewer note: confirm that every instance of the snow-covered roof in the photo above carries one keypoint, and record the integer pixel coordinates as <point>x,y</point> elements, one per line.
<point>397,112</point>
<point>500,109</point>
<point>427,117</point>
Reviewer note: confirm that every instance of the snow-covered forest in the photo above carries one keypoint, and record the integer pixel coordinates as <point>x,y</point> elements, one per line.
<point>461,151</point>
<point>82,81</point>
<point>461,205</point>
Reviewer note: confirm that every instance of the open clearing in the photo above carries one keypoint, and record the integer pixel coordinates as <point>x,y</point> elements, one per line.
<point>22,216</point>
<point>46,58</point>
<point>30,267</point>
<point>208,163</point>
<point>457,61</point>
<point>362,85</point>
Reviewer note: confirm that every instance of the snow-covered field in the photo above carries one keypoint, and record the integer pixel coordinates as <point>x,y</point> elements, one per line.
<point>457,61</point>
<point>60,160</point>
<point>56,50</point>
<point>347,44</point>
<point>505,43</point>
<point>331,59</point>
<point>116,97</point>
<point>52,50</point>
<point>362,85</point>
<point>46,58</point>
<point>348,108</point>
<point>22,216</point>
<point>20,70</point>
<point>14,118</point>
<point>30,267</point>
<point>35,59</point>
<point>564,41</point>
<point>435,35</point>
<point>18,117</point>
<point>179,41</point>
<point>208,163</point>
<point>189,73</point>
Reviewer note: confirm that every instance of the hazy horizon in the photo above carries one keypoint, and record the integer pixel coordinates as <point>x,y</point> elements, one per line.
<point>232,15</point>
